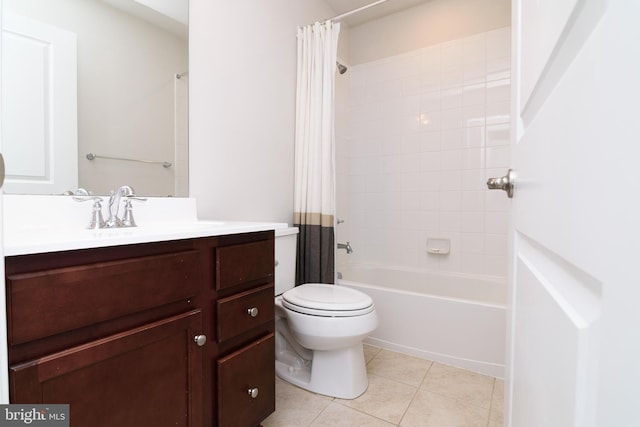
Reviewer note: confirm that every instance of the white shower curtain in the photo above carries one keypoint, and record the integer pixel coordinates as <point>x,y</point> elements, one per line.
<point>314,196</point>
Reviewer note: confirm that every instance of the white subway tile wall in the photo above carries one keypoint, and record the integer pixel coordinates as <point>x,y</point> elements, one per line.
<point>417,136</point>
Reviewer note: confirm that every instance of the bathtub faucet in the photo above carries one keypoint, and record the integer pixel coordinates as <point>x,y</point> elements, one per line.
<point>346,246</point>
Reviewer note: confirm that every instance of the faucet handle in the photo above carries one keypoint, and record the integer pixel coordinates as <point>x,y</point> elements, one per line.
<point>97,221</point>
<point>134,197</point>
<point>127,219</point>
<point>86,197</point>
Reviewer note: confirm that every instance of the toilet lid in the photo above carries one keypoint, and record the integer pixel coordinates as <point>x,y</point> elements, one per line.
<point>327,300</point>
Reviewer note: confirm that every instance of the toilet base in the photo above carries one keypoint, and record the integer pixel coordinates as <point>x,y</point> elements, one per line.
<point>338,373</point>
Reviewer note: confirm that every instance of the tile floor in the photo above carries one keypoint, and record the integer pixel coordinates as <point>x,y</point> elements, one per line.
<point>403,391</point>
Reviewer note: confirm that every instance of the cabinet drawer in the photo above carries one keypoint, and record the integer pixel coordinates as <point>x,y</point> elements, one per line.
<point>49,302</point>
<point>244,311</point>
<point>238,264</point>
<point>250,368</point>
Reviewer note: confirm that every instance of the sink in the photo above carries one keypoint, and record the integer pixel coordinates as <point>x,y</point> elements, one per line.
<point>49,239</point>
<point>62,227</point>
<point>168,228</point>
<point>177,226</point>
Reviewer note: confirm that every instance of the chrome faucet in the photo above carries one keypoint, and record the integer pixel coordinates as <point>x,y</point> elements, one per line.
<point>345,246</point>
<point>114,206</point>
<point>128,194</point>
<point>113,221</point>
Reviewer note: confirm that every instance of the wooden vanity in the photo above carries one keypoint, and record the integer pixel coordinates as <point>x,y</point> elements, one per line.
<point>168,333</point>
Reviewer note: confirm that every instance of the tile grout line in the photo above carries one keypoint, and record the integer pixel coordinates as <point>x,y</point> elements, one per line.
<point>415,393</point>
<point>332,400</point>
<point>493,389</point>
<point>366,413</point>
<point>413,398</point>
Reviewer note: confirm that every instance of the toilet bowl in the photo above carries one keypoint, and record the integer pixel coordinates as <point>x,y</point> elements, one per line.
<point>319,333</point>
<point>319,344</point>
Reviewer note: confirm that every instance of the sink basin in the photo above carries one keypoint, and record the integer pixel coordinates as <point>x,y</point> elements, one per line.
<point>42,239</point>
<point>176,226</point>
<point>28,231</point>
<point>46,233</point>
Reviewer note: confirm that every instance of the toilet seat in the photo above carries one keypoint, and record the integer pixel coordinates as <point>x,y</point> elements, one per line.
<point>325,300</point>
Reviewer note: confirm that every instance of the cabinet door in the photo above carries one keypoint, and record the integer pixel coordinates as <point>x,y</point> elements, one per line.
<point>246,384</point>
<point>148,376</point>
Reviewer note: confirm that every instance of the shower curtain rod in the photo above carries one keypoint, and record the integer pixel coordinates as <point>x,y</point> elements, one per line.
<point>354,11</point>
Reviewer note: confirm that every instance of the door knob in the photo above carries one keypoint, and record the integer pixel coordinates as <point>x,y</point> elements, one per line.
<point>503,183</point>
<point>253,392</point>
<point>1,170</point>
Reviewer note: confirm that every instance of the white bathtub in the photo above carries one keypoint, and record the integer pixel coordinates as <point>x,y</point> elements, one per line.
<point>453,319</point>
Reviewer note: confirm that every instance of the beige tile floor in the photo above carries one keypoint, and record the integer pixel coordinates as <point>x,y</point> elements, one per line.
<point>403,391</point>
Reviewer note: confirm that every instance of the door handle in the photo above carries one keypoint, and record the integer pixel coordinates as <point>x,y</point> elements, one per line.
<point>505,183</point>
<point>1,170</point>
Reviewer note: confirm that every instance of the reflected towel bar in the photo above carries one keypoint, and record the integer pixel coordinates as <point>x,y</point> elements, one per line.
<point>92,156</point>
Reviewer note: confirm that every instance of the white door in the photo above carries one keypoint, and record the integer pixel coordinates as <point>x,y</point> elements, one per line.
<point>574,353</point>
<point>39,106</point>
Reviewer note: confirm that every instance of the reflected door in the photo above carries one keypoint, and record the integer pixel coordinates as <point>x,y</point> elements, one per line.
<point>39,106</point>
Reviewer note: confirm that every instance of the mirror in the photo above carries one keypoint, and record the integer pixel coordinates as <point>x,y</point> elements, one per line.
<point>95,95</point>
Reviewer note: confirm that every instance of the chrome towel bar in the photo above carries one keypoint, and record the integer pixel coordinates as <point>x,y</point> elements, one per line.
<point>92,156</point>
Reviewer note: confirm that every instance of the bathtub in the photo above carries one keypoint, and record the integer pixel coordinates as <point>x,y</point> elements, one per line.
<point>452,319</point>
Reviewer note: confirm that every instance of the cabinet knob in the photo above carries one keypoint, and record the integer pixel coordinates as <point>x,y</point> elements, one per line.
<point>253,311</point>
<point>200,340</point>
<point>253,392</point>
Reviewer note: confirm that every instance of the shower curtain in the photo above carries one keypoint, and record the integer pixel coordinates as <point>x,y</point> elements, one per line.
<point>314,197</point>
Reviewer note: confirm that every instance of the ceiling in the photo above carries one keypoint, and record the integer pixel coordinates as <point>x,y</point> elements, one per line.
<point>156,11</point>
<point>172,15</point>
<point>375,12</point>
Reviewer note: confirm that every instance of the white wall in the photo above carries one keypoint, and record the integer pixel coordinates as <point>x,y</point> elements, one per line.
<point>242,105</point>
<point>433,22</point>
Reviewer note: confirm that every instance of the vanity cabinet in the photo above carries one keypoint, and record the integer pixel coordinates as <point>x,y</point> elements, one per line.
<point>175,333</point>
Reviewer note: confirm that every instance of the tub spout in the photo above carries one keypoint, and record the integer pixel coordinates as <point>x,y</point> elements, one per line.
<point>345,246</point>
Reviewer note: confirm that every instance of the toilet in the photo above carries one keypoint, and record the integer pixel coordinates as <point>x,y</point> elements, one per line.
<point>319,329</point>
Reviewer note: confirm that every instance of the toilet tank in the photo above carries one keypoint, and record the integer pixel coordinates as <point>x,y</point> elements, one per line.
<point>285,252</point>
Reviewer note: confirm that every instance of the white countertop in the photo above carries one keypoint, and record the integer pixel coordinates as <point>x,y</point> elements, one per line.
<point>37,224</point>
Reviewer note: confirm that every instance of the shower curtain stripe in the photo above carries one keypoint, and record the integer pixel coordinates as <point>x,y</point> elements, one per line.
<point>314,197</point>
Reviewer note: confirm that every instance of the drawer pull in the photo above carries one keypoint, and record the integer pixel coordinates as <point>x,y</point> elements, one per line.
<point>200,340</point>
<point>253,392</point>
<point>253,311</point>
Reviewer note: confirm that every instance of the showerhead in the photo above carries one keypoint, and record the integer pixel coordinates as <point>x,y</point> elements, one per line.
<point>341,68</point>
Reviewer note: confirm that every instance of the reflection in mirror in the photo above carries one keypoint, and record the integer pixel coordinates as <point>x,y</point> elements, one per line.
<point>106,77</point>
